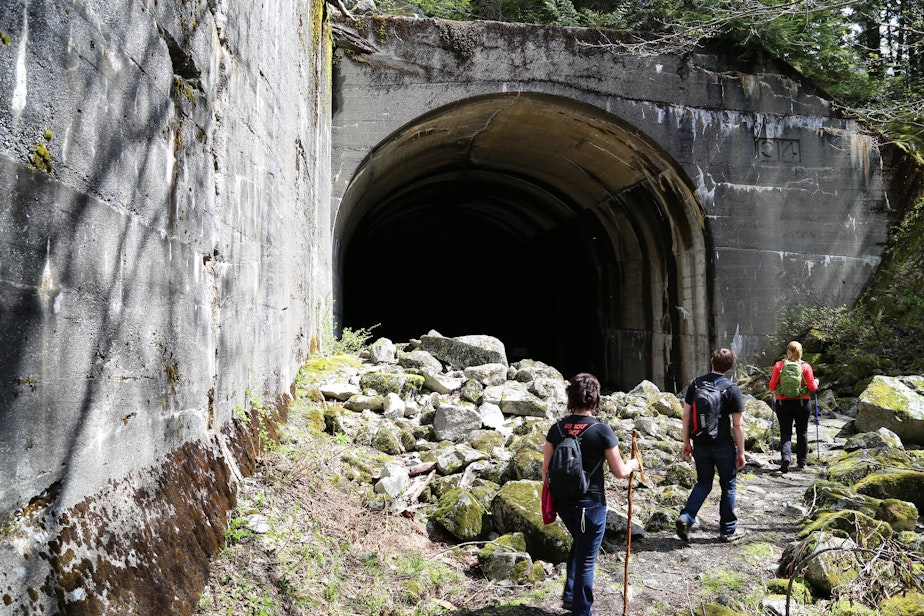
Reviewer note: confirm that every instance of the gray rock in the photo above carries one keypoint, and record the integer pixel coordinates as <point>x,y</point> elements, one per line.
<point>487,374</point>
<point>881,439</point>
<point>500,565</point>
<point>452,422</point>
<point>363,402</point>
<point>491,416</point>
<point>514,399</point>
<point>896,403</point>
<point>617,523</point>
<point>472,390</point>
<point>421,360</point>
<point>457,458</point>
<point>339,390</point>
<point>382,351</point>
<point>393,480</point>
<point>394,406</point>
<point>465,351</point>
<point>441,383</point>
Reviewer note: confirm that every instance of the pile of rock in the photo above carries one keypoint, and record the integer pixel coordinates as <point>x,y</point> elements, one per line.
<point>461,430</point>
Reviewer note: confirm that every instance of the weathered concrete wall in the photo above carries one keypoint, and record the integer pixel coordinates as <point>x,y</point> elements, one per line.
<point>162,254</point>
<point>793,200</point>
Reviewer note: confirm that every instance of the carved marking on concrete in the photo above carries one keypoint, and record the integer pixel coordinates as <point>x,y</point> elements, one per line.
<point>779,150</point>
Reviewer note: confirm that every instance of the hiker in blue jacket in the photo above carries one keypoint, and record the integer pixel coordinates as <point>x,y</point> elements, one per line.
<point>585,519</point>
<point>725,454</point>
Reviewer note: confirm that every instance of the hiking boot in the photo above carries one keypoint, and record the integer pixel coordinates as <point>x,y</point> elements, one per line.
<point>738,534</point>
<point>565,604</point>
<point>784,466</point>
<point>683,529</point>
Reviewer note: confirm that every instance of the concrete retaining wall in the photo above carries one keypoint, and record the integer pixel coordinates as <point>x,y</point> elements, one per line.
<point>162,258</point>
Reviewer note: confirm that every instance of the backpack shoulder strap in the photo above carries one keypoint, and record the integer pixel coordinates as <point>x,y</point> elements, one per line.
<point>586,430</point>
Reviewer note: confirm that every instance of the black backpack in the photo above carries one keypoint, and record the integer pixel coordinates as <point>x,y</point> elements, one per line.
<point>566,477</point>
<point>707,410</point>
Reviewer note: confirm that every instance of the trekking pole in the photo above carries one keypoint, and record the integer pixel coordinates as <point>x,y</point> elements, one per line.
<point>817,451</point>
<point>772,413</point>
<point>641,469</point>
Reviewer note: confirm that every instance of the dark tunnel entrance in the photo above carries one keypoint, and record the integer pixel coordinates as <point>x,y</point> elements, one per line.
<point>538,220</point>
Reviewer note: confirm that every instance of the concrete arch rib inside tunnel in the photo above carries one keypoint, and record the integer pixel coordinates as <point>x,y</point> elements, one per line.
<point>539,220</point>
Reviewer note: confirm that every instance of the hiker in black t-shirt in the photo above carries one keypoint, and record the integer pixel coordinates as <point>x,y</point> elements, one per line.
<point>585,519</point>
<point>725,454</point>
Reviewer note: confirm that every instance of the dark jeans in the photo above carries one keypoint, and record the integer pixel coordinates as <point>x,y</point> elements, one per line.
<point>795,412</point>
<point>586,522</point>
<point>709,459</point>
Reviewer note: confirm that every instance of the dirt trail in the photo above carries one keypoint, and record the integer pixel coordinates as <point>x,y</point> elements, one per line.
<point>667,575</point>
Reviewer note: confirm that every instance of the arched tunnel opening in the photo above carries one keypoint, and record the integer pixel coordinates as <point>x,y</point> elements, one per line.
<point>539,220</point>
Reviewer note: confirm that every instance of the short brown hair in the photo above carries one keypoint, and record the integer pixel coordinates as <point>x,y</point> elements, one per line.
<point>794,350</point>
<point>722,360</point>
<point>583,392</point>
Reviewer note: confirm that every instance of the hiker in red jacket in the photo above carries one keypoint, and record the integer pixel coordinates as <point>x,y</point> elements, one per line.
<point>793,383</point>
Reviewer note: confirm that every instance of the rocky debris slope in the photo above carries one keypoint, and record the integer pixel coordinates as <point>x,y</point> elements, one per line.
<point>460,433</point>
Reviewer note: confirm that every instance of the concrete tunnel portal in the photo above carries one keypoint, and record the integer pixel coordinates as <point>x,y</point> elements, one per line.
<point>541,220</point>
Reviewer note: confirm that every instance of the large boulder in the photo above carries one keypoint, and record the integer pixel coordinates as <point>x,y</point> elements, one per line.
<point>516,508</point>
<point>465,351</point>
<point>896,403</point>
<point>421,360</point>
<point>461,515</point>
<point>851,467</point>
<point>385,382</point>
<point>452,421</point>
<point>487,374</point>
<point>903,485</point>
<point>382,351</point>
<point>881,439</point>
<point>514,398</point>
<point>825,560</point>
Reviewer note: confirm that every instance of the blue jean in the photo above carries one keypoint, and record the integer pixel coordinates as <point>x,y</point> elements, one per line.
<point>798,412</point>
<point>709,459</point>
<point>579,583</point>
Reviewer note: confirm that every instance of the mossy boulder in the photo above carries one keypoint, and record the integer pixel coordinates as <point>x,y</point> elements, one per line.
<point>862,529</point>
<point>363,402</point>
<point>532,437</point>
<point>827,496</point>
<point>668,405</point>
<point>799,591</point>
<point>883,438</point>
<point>911,542</point>
<point>462,515</point>
<point>680,474</point>
<point>508,565</point>
<point>453,458</point>
<point>473,391</point>
<point>360,468</point>
<point>900,515</point>
<point>506,558</point>
<point>384,383</point>
<point>485,441</point>
<point>510,541</point>
<point>851,467</point>
<point>909,604</point>
<point>386,441</point>
<point>903,485</point>
<point>847,607</point>
<point>527,464</point>
<point>823,559</point>
<point>465,351</point>
<point>896,403</point>
<point>516,508</point>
